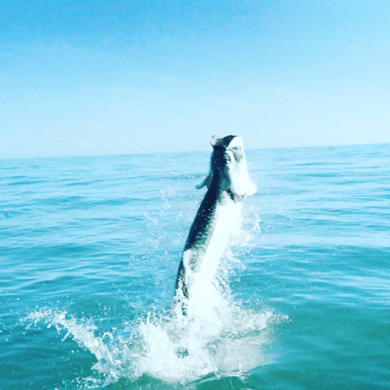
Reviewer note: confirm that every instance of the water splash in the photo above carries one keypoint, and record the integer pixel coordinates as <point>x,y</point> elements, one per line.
<point>170,347</point>
<point>217,337</point>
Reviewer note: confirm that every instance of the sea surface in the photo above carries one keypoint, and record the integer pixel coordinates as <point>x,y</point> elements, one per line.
<point>90,246</point>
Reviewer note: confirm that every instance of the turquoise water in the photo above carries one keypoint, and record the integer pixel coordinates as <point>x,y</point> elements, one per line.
<point>90,248</point>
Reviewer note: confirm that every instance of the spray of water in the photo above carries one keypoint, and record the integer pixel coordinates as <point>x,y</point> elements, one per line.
<point>220,337</point>
<point>217,336</point>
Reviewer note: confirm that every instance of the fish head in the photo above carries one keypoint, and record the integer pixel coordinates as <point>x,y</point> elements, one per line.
<point>228,168</point>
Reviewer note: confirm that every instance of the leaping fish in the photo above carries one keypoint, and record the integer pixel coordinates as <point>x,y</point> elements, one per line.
<point>228,183</point>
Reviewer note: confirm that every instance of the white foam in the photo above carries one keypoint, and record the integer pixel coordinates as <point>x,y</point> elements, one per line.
<point>228,344</point>
<point>217,336</point>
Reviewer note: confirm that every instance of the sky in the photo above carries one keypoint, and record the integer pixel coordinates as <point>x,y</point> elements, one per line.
<point>98,77</point>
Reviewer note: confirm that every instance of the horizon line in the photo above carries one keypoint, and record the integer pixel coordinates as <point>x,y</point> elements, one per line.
<point>2,158</point>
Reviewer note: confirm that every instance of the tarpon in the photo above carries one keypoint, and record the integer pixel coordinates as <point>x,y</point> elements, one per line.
<point>228,183</point>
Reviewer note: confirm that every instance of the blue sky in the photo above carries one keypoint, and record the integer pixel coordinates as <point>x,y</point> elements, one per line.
<point>83,77</point>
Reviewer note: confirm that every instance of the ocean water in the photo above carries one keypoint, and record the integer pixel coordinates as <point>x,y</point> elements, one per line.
<point>89,249</point>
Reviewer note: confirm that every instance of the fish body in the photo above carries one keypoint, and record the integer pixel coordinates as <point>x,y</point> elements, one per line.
<point>228,183</point>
